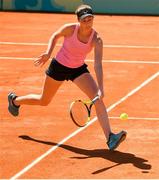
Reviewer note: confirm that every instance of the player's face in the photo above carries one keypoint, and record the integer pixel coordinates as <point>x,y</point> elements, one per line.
<point>87,21</point>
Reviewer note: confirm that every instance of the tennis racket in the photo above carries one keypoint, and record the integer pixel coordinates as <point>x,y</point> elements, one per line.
<point>80,111</point>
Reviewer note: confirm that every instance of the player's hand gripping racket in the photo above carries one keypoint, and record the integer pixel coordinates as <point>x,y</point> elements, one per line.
<point>80,111</point>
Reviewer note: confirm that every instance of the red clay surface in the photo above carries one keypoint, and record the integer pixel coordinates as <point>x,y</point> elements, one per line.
<point>37,129</point>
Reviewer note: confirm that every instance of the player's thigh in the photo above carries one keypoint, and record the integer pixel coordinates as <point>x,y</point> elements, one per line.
<point>87,84</point>
<point>50,87</point>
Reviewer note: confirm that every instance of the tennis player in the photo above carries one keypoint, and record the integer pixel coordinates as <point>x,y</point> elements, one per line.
<point>69,64</point>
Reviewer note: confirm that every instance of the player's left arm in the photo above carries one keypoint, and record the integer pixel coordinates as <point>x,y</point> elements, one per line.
<point>98,55</point>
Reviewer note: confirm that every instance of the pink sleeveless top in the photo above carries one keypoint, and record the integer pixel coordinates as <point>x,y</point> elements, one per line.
<point>73,52</point>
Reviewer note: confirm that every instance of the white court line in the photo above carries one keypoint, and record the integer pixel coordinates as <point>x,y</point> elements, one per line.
<point>89,60</point>
<point>33,163</point>
<point>137,118</point>
<point>17,58</point>
<point>125,61</point>
<point>105,46</point>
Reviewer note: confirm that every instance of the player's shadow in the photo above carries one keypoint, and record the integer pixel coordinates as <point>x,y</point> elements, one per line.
<point>114,156</point>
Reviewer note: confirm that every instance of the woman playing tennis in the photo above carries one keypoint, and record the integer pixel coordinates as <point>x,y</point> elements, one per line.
<point>79,39</point>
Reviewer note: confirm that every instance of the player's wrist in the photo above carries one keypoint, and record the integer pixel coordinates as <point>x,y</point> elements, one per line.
<point>48,54</point>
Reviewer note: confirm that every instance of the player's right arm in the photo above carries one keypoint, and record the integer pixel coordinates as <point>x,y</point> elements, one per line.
<point>64,31</point>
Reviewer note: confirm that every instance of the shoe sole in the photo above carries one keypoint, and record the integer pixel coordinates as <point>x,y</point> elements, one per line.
<point>9,101</point>
<point>122,138</point>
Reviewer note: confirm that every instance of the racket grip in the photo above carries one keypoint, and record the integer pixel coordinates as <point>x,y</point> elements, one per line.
<point>95,99</point>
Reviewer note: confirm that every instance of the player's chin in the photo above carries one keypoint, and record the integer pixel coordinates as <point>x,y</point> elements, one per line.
<point>89,25</point>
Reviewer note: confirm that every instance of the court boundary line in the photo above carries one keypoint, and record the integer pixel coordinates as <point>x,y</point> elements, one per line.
<point>34,162</point>
<point>105,46</point>
<point>87,60</point>
<point>136,118</point>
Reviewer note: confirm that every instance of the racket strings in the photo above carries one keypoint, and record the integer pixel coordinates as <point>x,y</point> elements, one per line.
<point>79,113</point>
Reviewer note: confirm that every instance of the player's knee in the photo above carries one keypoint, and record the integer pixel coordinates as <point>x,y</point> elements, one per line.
<point>44,102</point>
<point>100,106</point>
<point>99,103</point>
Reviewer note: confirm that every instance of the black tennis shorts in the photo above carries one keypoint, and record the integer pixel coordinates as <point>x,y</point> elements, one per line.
<point>60,72</point>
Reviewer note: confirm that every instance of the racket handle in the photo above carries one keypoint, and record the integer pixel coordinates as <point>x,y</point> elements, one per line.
<point>95,99</point>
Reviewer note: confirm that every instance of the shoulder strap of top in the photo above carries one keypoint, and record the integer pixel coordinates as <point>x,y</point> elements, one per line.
<point>91,36</point>
<point>75,30</point>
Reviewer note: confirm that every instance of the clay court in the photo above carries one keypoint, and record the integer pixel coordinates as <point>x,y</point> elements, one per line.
<point>43,142</point>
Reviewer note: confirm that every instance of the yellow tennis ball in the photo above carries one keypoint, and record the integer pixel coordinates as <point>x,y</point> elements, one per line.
<point>123,116</point>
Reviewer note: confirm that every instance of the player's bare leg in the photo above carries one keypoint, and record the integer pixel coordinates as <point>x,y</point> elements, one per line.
<point>87,84</point>
<point>50,88</point>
